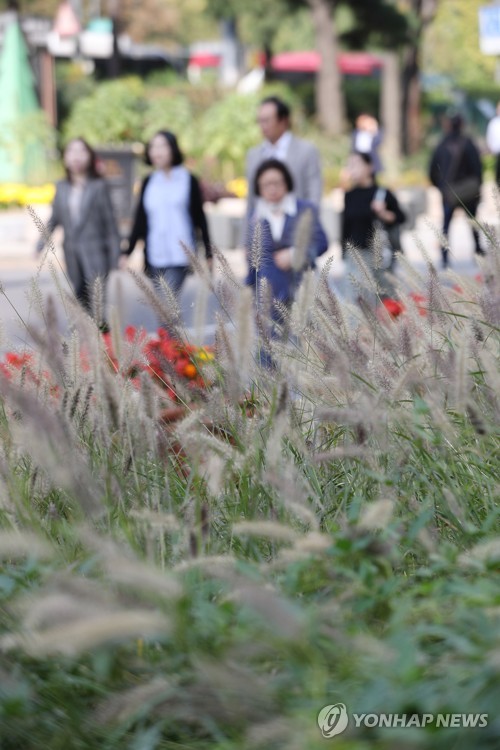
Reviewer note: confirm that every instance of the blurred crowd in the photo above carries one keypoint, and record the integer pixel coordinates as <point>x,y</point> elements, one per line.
<point>282,234</point>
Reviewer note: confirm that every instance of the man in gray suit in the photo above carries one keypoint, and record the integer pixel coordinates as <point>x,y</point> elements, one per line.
<point>301,157</point>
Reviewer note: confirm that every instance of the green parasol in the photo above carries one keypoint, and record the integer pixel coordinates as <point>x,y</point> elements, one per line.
<point>23,127</point>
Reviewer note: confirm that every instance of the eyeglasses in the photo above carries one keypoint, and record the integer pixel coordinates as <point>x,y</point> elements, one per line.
<point>263,184</point>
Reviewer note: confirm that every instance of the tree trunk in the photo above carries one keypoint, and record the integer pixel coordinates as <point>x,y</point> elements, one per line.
<point>424,11</point>
<point>412,94</point>
<point>390,109</point>
<point>330,106</point>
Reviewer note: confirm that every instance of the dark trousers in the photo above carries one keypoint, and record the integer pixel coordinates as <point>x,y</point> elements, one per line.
<point>84,294</point>
<point>173,275</point>
<point>448,212</point>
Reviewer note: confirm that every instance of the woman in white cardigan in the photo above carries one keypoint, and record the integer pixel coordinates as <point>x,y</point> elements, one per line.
<point>169,213</point>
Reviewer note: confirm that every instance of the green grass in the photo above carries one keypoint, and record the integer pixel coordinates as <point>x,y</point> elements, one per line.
<point>337,542</point>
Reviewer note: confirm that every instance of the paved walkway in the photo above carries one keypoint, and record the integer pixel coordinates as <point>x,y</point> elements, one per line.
<point>19,266</point>
<point>18,234</point>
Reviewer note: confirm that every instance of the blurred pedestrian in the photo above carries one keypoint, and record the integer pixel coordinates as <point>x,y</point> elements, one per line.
<point>366,139</point>
<point>82,207</point>
<point>300,156</point>
<point>493,141</point>
<point>169,213</point>
<point>283,253</point>
<point>368,208</point>
<point>456,170</point>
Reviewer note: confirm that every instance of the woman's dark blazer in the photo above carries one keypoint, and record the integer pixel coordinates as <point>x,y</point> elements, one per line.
<point>92,245</point>
<point>284,283</point>
<point>198,218</point>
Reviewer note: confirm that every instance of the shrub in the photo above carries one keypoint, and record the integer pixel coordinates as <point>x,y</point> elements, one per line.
<point>72,84</point>
<point>110,115</point>
<point>325,531</point>
<point>215,128</point>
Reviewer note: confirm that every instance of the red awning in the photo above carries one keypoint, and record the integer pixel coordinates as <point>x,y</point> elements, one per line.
<point>205,60</point>
<point>296,62</point>
<point>354,63</point>
<point>359,63</point>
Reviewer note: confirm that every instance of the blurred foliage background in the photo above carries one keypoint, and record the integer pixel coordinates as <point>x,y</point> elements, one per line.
<point>217,126</point>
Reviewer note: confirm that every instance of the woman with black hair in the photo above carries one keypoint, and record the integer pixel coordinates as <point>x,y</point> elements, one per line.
<point>366,208</point>
<point>82,207</point>
<point>169,213</point>
<point>284,252</point>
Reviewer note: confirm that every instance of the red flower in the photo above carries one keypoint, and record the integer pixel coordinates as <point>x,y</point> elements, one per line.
<point>180,365</point>
<point>19,360</point>
<point>393,307</point>
<point>162,355</point>
<point>419,300</point>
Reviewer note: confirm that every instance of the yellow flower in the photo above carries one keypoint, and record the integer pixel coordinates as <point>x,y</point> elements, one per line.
<point>204,355</point>
<point>10,192</point>
<point>23,195</point>
<point>238,186</point>
<point>38,194</point>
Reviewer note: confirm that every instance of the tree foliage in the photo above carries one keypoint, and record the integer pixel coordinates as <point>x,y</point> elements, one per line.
<point>456,30</point>
<point>376,23</point>
<point>111,114</point>
<point>166,20</point>
<point>361,22</point>
<point>32,7</point>
<point>215,129</point>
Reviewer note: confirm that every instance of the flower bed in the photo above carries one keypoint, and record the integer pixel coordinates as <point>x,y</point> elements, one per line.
<point>164,358</point>
<point>17,194</point>
<point>396,308</point>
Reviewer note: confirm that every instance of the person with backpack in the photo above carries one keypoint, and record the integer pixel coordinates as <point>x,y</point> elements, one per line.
<point>456,170</point>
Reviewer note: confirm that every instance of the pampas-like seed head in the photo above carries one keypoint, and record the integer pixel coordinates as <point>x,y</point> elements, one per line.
<point>167,309</point>
<point>256,250</point>
<point>302,240</point>
<point>98,301</point>
<point>199,264</point>
<point>119,708</point>
<point>16,545</point>
<point>45,235</point>
<point>245,335</point>
<point>376,515</point>
<point>267,529</point>
<point>89,633</point>
<point>304,300</point>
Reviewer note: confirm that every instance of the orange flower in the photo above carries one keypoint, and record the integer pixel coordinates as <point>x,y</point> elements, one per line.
<point>181,365</point>
<point>160,356</point>
<point>190,371</point>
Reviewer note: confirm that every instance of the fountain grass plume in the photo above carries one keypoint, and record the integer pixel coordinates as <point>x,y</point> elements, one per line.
<point>302,240</point>
<point>235,550</point>
<point>256,250</point>
<point>166,309</point>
